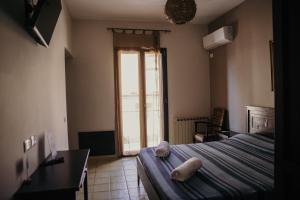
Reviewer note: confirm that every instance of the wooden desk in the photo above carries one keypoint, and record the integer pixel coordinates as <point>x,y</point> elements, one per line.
<point>58,181</point>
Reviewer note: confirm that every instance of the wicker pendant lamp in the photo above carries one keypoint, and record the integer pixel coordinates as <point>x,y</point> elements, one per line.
<point>180,11</point>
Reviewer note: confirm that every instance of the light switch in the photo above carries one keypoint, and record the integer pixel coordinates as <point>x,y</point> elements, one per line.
<point>27,144</point>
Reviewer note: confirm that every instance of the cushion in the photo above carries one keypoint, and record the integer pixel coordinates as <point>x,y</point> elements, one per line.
<point>199,137</point>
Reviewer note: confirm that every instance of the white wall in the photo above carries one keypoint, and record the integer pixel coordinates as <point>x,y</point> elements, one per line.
<point>91,77</point>
<point>32,93</point>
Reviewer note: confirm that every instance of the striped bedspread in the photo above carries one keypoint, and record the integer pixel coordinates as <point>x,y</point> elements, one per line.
<point>237,168</point>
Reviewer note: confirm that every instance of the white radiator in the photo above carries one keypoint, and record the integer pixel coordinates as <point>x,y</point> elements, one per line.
<point>184,129</point>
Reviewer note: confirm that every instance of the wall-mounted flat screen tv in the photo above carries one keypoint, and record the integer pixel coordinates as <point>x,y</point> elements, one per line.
<point>42,20</point>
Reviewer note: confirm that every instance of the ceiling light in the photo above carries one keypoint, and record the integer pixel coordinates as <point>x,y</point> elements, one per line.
<point>180,11</point>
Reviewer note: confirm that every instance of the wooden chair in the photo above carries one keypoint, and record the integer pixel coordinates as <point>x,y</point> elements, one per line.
<point>213,127</point>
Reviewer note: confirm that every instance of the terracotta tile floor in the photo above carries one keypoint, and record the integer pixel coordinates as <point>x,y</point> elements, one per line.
<point>113,179</point>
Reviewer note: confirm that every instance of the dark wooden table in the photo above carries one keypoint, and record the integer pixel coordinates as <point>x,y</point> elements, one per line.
<point>58,181</point>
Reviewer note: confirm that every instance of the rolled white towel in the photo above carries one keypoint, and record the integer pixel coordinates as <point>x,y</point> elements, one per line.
<point>186,169</point>
<point>163,149</point>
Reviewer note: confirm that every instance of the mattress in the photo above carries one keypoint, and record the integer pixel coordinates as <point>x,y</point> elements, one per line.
<point>241,167</point>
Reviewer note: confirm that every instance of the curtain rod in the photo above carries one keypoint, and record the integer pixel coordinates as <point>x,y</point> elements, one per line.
<point>133,29</point>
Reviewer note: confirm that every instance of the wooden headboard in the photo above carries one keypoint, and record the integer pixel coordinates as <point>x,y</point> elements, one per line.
<point>260,119</point>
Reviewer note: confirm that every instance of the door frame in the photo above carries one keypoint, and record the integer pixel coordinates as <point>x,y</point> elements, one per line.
<point>164,61</point>
<point>118,115</point>
<point>287,117</point>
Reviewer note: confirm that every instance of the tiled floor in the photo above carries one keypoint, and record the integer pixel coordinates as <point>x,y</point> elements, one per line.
<point>113,179</point>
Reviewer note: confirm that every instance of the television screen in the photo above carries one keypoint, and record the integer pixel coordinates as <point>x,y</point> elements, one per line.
<point>44,19</point>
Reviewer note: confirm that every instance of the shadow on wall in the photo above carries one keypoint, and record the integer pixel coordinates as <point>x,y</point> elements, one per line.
<point>41,148</point>
<point>219,78</point>
<point>226,125</point>
<point>235,27</point>
<point>19,167</point>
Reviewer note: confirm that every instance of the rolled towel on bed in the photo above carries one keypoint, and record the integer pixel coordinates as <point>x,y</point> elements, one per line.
<point>186,169</point>
<point>163,149</point>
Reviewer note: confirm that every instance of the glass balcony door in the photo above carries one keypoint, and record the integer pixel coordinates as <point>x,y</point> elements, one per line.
<point>140,100</point>
<point>130,101</point>
<point>153,98</point>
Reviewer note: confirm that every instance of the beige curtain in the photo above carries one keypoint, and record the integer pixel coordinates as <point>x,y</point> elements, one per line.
<point>136,39</point>
<point>118,127</point>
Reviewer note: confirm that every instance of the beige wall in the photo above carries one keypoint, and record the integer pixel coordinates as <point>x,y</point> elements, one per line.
<point>240,71</point>
<point>91,76</point>
<point>32,93</point>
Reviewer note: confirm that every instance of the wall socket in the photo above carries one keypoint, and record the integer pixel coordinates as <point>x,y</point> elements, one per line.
<point>30,142</point>
<point>27,145</point>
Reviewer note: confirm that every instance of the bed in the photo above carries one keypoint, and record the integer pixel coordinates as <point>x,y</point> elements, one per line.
<point>241,167</point>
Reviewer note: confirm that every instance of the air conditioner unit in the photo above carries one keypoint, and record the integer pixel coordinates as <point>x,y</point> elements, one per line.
<point>218,38</point>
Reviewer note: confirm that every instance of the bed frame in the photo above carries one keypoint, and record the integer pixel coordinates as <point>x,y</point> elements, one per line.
<point>143,176</point>
<point>259,119</point>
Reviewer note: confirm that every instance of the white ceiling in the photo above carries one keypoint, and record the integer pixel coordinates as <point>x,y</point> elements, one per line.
<point>144,10</point>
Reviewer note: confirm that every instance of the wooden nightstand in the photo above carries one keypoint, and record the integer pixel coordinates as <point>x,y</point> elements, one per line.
<point>227,134</point>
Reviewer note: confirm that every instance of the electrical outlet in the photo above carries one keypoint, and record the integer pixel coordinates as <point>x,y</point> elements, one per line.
<point>27,145</point>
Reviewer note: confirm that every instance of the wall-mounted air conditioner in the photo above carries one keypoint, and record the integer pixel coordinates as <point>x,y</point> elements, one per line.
<point>218,38</point>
